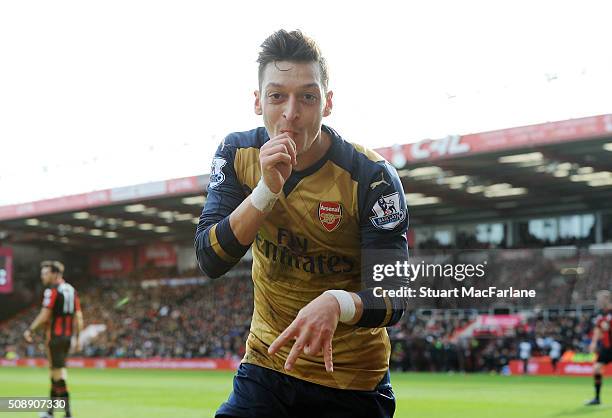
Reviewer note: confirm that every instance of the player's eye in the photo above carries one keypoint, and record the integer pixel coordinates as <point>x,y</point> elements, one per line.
<point>311,98</point>
<point>275,96</point>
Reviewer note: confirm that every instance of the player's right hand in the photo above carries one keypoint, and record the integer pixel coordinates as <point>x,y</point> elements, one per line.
<point>27,335</point>
<point>277,157</point>
<point>592,348</point>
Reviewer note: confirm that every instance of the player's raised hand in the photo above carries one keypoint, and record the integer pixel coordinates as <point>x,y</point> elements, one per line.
<point>277,158</point>
<point>313,329</point>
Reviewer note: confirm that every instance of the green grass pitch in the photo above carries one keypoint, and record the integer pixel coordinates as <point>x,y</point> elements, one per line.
<point>163,393</point>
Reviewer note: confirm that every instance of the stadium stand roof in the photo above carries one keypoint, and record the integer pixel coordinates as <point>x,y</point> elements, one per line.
<point>547,168</point>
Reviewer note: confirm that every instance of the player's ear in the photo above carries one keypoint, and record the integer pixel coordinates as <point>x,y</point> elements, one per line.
<point>257,107</point>
<point>328,103</point>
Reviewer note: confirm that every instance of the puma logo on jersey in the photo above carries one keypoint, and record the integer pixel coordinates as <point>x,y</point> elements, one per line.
<point>379,182</point>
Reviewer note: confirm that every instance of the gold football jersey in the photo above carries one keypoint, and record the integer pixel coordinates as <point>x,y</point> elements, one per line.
<point>310,242</point>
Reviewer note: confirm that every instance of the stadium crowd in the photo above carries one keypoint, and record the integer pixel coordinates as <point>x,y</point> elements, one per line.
<point>182,322</point>
<point>212,320</point>
<point>434,342</point>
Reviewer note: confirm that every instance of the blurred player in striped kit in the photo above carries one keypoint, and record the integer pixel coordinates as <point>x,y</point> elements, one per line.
<point>601,334</point>
<point>60,313</point>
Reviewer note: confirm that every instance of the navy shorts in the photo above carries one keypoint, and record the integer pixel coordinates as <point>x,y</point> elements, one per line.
<point>264,393</point>
<point>604,356</point>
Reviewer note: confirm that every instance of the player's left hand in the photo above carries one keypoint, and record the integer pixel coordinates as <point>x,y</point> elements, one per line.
<point>27,335</point>
<point>313,329</point>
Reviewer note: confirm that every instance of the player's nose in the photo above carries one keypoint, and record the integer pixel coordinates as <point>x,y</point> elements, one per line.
<point>291,111</point>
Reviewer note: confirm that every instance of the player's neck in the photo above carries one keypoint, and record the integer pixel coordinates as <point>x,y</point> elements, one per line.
<point>316,151</point>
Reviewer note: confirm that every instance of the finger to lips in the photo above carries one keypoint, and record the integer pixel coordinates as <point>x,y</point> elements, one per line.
<point>271,147</point>
<point>292,147</point>
<point>278,148</point>
<point>278,158</point>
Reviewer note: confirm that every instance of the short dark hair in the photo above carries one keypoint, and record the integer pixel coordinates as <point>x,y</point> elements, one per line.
<point>55,266</point>
<point>291,46</point>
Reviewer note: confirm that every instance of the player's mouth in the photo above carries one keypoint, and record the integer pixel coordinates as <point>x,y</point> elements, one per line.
<point>291,132</point>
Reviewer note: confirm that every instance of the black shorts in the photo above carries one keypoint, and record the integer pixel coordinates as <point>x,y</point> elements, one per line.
<point>604,356</point>
<point>264,393</point>
<point>58,352</point>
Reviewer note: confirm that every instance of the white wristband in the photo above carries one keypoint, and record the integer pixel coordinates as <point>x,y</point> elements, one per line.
<point>346,302</point>
<point>263,198</point>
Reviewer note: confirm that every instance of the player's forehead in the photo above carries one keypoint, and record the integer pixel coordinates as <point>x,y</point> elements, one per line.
<point>291,75</point>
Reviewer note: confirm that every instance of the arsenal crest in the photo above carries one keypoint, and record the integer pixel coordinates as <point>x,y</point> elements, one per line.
<point>330,215</point>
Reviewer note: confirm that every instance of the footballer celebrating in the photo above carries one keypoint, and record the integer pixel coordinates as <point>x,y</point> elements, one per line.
<point>602,333</point>
<point>61,313</point>
<point>310,204</point>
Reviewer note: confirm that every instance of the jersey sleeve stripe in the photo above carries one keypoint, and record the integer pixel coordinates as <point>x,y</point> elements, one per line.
<point>389,308</point>
<point>209,261</point>
<point>217,248</point>
<point>228,241</point>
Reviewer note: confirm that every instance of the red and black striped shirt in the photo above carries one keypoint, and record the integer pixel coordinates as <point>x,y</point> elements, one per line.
<point>604,323</point>
<point>63,301</point>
